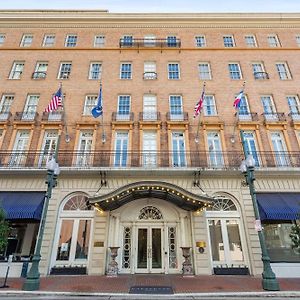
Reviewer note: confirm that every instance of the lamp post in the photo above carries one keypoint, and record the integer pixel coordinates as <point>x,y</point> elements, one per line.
<point>269,281</point>
<point>32,281</point>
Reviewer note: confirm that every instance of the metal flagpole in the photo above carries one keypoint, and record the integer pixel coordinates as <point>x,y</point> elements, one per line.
<point>67,137</point>
<point>198,126</point>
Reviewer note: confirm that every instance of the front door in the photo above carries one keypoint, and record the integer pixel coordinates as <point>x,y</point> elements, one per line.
<point>149,257</point>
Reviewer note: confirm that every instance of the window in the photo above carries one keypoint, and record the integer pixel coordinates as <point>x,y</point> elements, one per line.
<point>172,41</point>
<point>250,41</point>
<point>244,112</point>
<point>283,71</point>
<point>40,70</point>
<point>26,40</point>
<point>99,41</point>
<point>204,71</point>
<point>273,40</point>
<point>200,41</point>
<point>121,148</point>
<point>269,108</point>
<point>127,40</point>
<point>5,105</point>
<point>149,148</point>
<point>126,71</point>
<point>235,71</point>
<point>150,70</point>
<point>30,107</point>
<point>228,41</point>
<point>149,40</point>
<point>49,40</point>
<point>209,105</point>
<point>89,103</point>
<point>48,147</point>
<point>251,145</point>
<point>17,70</point>
<point>71,40</point>
<point>298,40</point>
<point>149,107</point>
<point>64,70</point>
<point>214,149</point>
<point>173,71</point>
<point>178,149</point>
<point>294,106</point>
<point>259,70</point>
<point>19,157</point>
<point>95,70</point>
<point>281,156</point>
<point>123,107</point>
<point>84,156</point>
<point>176,110</point>
<point>2,39</point>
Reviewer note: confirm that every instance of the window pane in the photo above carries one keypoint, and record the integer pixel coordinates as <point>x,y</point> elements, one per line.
<point>234,239</point>
<point>65,240</point>
<point>83,239</point>
<point>216,240</point>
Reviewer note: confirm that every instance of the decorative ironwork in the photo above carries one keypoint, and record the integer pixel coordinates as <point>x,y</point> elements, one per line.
<point>261,75</point>
<point>39,75</point>
<point>223,204</point>
<point>274,117</point>
<point>150,75</point>
<point>172,248</point>
<point>150,213</point>
<point>77,202</point>
<point>126,248</point>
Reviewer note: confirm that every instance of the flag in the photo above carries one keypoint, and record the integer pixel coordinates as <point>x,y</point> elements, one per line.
<point>97,111</point>
<point>55,102</point>
<point>238,99</point>
<point>199,104</point>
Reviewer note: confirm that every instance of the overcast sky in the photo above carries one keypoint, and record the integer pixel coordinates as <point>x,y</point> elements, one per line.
<point>159,5</point>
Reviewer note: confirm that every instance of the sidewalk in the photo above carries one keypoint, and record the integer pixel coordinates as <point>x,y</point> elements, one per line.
<point>122,283</point>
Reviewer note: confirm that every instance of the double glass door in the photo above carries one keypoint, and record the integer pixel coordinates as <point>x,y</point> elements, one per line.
<point>149,258</point>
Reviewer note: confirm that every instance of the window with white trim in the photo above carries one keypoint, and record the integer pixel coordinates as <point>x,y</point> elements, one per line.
<point>173,71</point>
<point>209,106</point>
<point>71,40</point>
<point>250,41</point>
<point>126,70</point>
<point>176,109</point>
<point>273,41</point>
<point>200,41</point>
<point>293,102</point>
<point>26,40</point>
<point>64,70</point>
<point>258,68</point>
<point>16,70</point>
<point>49,40</point>
<point>123,112</point>
<point>268,106</point>
<point>204,71</point>
<point>171,41</point>
<point>298,40</point>
<point>235,71</point>
<point>89,103</point>
<point>127,40</point>
<point>40,70</point>
<point>228,41</point>
<point>5,105</point>
<point>95,70</point>
<point>30,107</point>
<point>150,70</point>
<point>283,71</point>
<point>99,41</point>
<point>2,38</point>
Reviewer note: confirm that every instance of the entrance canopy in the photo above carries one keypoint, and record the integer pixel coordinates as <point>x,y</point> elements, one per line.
<point>151,189</point>
<point>22,205</point>
<point>279,206</point>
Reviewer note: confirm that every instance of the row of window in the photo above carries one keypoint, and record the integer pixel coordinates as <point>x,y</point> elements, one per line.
<point>150,106</point>
<point>71,40</point>
<point>149,146</point>
<point>173,69</point>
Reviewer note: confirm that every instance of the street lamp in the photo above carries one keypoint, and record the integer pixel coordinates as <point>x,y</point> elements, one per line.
<point>32,281</point>
<point>269,281</point>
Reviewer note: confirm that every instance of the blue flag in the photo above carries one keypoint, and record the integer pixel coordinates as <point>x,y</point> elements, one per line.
<point>97,111</point>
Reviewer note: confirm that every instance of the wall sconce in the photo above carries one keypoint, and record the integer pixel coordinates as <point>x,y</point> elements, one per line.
<point>201,245</point>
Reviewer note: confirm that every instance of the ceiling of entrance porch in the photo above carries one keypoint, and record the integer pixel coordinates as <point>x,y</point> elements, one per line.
<point>151,189</point>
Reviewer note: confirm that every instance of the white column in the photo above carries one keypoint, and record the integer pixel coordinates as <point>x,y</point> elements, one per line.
<point>182,230</point>
<point>117,231</point>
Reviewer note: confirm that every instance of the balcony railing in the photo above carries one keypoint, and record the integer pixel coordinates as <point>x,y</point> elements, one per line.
<point>150,75</point>
<point>54,116</point>
<point>25,116</point>
<point>212,160</point>
<point>4,116</point>
<point>274,117</point>
<point>39,75</point>
<point>183,116</point>
<point>261,75</point>
<point>149,43</point>
<point>248,116</point>
<point>120,117</point>
<point>295,116</point>
<point>149,116</point>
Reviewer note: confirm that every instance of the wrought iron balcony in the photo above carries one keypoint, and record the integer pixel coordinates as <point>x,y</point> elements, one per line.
<point>274,117</point>
<point>150,75</point>
<point>212,160</point>
<point>261,75</point>
<point>4,116</point>
<point>248,116</point>
<point>183,116</point>
<point>149,43</point>
<point>39,75</point>
<point>295,116</point>
<point>120,117</point>
<point>26,116</point>
<point>149,116</point>
<point>54,116</point>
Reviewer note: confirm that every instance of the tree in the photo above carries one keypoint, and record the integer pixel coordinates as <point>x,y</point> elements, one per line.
<point>295,237</point>
<point>4,229</point>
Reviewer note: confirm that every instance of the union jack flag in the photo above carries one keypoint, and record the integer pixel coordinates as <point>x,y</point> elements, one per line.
<point>199,104</point>
<point>55,102</point>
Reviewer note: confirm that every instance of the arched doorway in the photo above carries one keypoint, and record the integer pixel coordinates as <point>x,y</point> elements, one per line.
<point>227,242</point>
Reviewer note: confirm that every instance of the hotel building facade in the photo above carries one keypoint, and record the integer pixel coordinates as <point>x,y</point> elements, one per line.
<point>145,177</point>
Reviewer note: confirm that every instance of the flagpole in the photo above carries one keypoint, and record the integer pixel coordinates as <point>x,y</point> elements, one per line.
<point>103,138</point>
<point>67,137</point>
<point>198,126</point>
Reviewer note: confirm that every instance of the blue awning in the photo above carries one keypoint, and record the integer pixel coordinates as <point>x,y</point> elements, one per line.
<point>279,206</point>
<point>22,205</point>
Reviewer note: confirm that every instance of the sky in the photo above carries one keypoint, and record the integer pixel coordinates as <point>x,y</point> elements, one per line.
<point>159,5</point>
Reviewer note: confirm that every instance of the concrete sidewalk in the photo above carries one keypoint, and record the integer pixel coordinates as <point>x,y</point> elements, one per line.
<point>180,285</point>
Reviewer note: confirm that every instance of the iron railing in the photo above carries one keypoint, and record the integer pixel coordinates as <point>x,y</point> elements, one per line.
<point>274,117</point>
<point>181,116</point>
<point>213,160</point>
<point>149,116</point>
<point>150,75</point>
<point>149,43</point>
<point>248,116</point>
<point>39,75</point>
<point>121,117</point>
<point>261,75</point>
<point>26,116</point>
<point>4,116</point>
<point>54,116</point>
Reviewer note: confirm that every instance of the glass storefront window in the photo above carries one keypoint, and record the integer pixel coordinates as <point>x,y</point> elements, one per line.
<point>279,243</point>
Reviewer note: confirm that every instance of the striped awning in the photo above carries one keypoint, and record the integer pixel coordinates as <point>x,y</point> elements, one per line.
<point>279,206</point>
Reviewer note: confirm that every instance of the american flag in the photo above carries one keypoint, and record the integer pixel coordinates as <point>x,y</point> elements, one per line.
<point>199,104</point>
<point>55,102</point>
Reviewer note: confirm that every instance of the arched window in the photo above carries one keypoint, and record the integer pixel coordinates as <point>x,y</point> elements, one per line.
<point>223,204</point>
<point>77,202</point>
<point>150,213</point>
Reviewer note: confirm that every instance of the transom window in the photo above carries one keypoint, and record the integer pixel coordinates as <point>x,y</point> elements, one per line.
<point>77,202</point>
<point>150,213</point>
<point>223,204</point>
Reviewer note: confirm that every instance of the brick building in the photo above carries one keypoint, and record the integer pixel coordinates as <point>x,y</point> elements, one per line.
<point>156,180</point>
